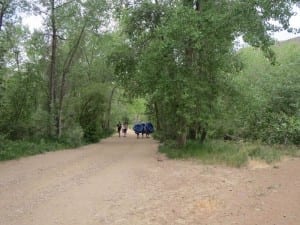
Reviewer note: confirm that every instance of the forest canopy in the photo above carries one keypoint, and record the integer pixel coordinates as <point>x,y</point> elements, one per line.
<point>173,62</point>
<point>181,55</point>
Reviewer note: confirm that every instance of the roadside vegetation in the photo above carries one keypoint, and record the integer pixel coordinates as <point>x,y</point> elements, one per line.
<point>235,154</point>
<point>261,119</point>
<point>19,148</point>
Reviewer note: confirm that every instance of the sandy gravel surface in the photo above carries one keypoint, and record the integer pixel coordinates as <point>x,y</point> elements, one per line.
<point>125,181</point>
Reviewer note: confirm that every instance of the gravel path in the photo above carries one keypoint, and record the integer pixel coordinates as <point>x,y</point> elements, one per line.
<point>125,181</point>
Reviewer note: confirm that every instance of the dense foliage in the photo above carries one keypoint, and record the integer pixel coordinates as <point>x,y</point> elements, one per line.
<point>268,104</point>
<point>56,82</point>
<point>181,56</point>
<point>174,62</point>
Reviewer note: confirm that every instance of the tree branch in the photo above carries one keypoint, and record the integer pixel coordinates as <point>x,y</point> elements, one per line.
<point>63,4</point>
<point>3,9</point>
<point>61,37</point>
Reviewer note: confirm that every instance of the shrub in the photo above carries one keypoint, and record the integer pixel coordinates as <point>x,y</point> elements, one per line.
<point>234,154</point>
<point>73,137</point>
<point>267,154</point>
<point>212,152</point>
<point>20,148</point>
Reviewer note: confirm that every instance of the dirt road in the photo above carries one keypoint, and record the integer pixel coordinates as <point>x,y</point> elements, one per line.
<point>124,181</point>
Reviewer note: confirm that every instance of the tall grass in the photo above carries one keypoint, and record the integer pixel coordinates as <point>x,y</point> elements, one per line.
<point>17,149</point>
<point>20,148</point>
<point>233,154</point>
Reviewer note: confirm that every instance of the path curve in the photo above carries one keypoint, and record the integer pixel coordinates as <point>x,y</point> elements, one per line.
<point>125,181</point>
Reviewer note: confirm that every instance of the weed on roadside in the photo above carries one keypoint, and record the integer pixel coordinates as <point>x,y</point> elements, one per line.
<point>235,154</point>
<point>17,149</point>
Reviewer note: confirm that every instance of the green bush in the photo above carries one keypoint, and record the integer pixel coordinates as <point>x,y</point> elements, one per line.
<point>20,148</point>
<point>278,128</point>
<point>91,112</point>
<point>234,154</point>
<point>73,137</point>
<point>39,122</point>
<point>269,155</point>
<point>267,106</point>
<point>212,152</point>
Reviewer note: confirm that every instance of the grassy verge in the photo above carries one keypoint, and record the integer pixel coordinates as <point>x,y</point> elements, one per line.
<point>20,148</point>
<point>17,149</point>
<point>228,153</point>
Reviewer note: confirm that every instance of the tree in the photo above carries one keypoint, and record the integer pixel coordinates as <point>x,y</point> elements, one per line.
<point>10,33</point>
<point>64,17</point>
<point>64,59</point>
<point>264,104</point>
<point>179,53</point>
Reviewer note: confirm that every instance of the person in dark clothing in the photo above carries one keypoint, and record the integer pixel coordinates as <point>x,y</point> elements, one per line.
<point>119,127</point>
<point>124,128</point>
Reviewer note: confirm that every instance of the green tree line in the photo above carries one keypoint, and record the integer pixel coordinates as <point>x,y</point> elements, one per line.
<point>181,56</point>
<point>267,103</point>
<point>95,62</point>
<point>56,83</point>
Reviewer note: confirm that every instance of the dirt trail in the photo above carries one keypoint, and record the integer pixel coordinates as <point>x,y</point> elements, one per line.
<point>124,181</point>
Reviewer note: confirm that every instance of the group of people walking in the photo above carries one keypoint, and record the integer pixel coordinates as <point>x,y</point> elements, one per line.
<point>139,128</point>
<point>122,127</point>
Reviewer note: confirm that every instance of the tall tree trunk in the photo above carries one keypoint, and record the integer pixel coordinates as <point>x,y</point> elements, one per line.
<point>109,107</point>
<point>66,70</point>
<point>182,137</point>
<point>17,53</point>
<point>52,72</point>
<point>203,135</point>
<point>189,54</point>
<point>4,7</point>
<point>157,116</point>
<point>1,18</point>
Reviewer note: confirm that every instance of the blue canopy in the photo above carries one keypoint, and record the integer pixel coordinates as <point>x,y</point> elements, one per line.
<point>149,127</point>
<point>139,127</point>
<point>143,128</point>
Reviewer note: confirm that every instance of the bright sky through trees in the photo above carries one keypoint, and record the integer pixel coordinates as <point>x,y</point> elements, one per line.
<point>35,22</point>
<point>295,23</point>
